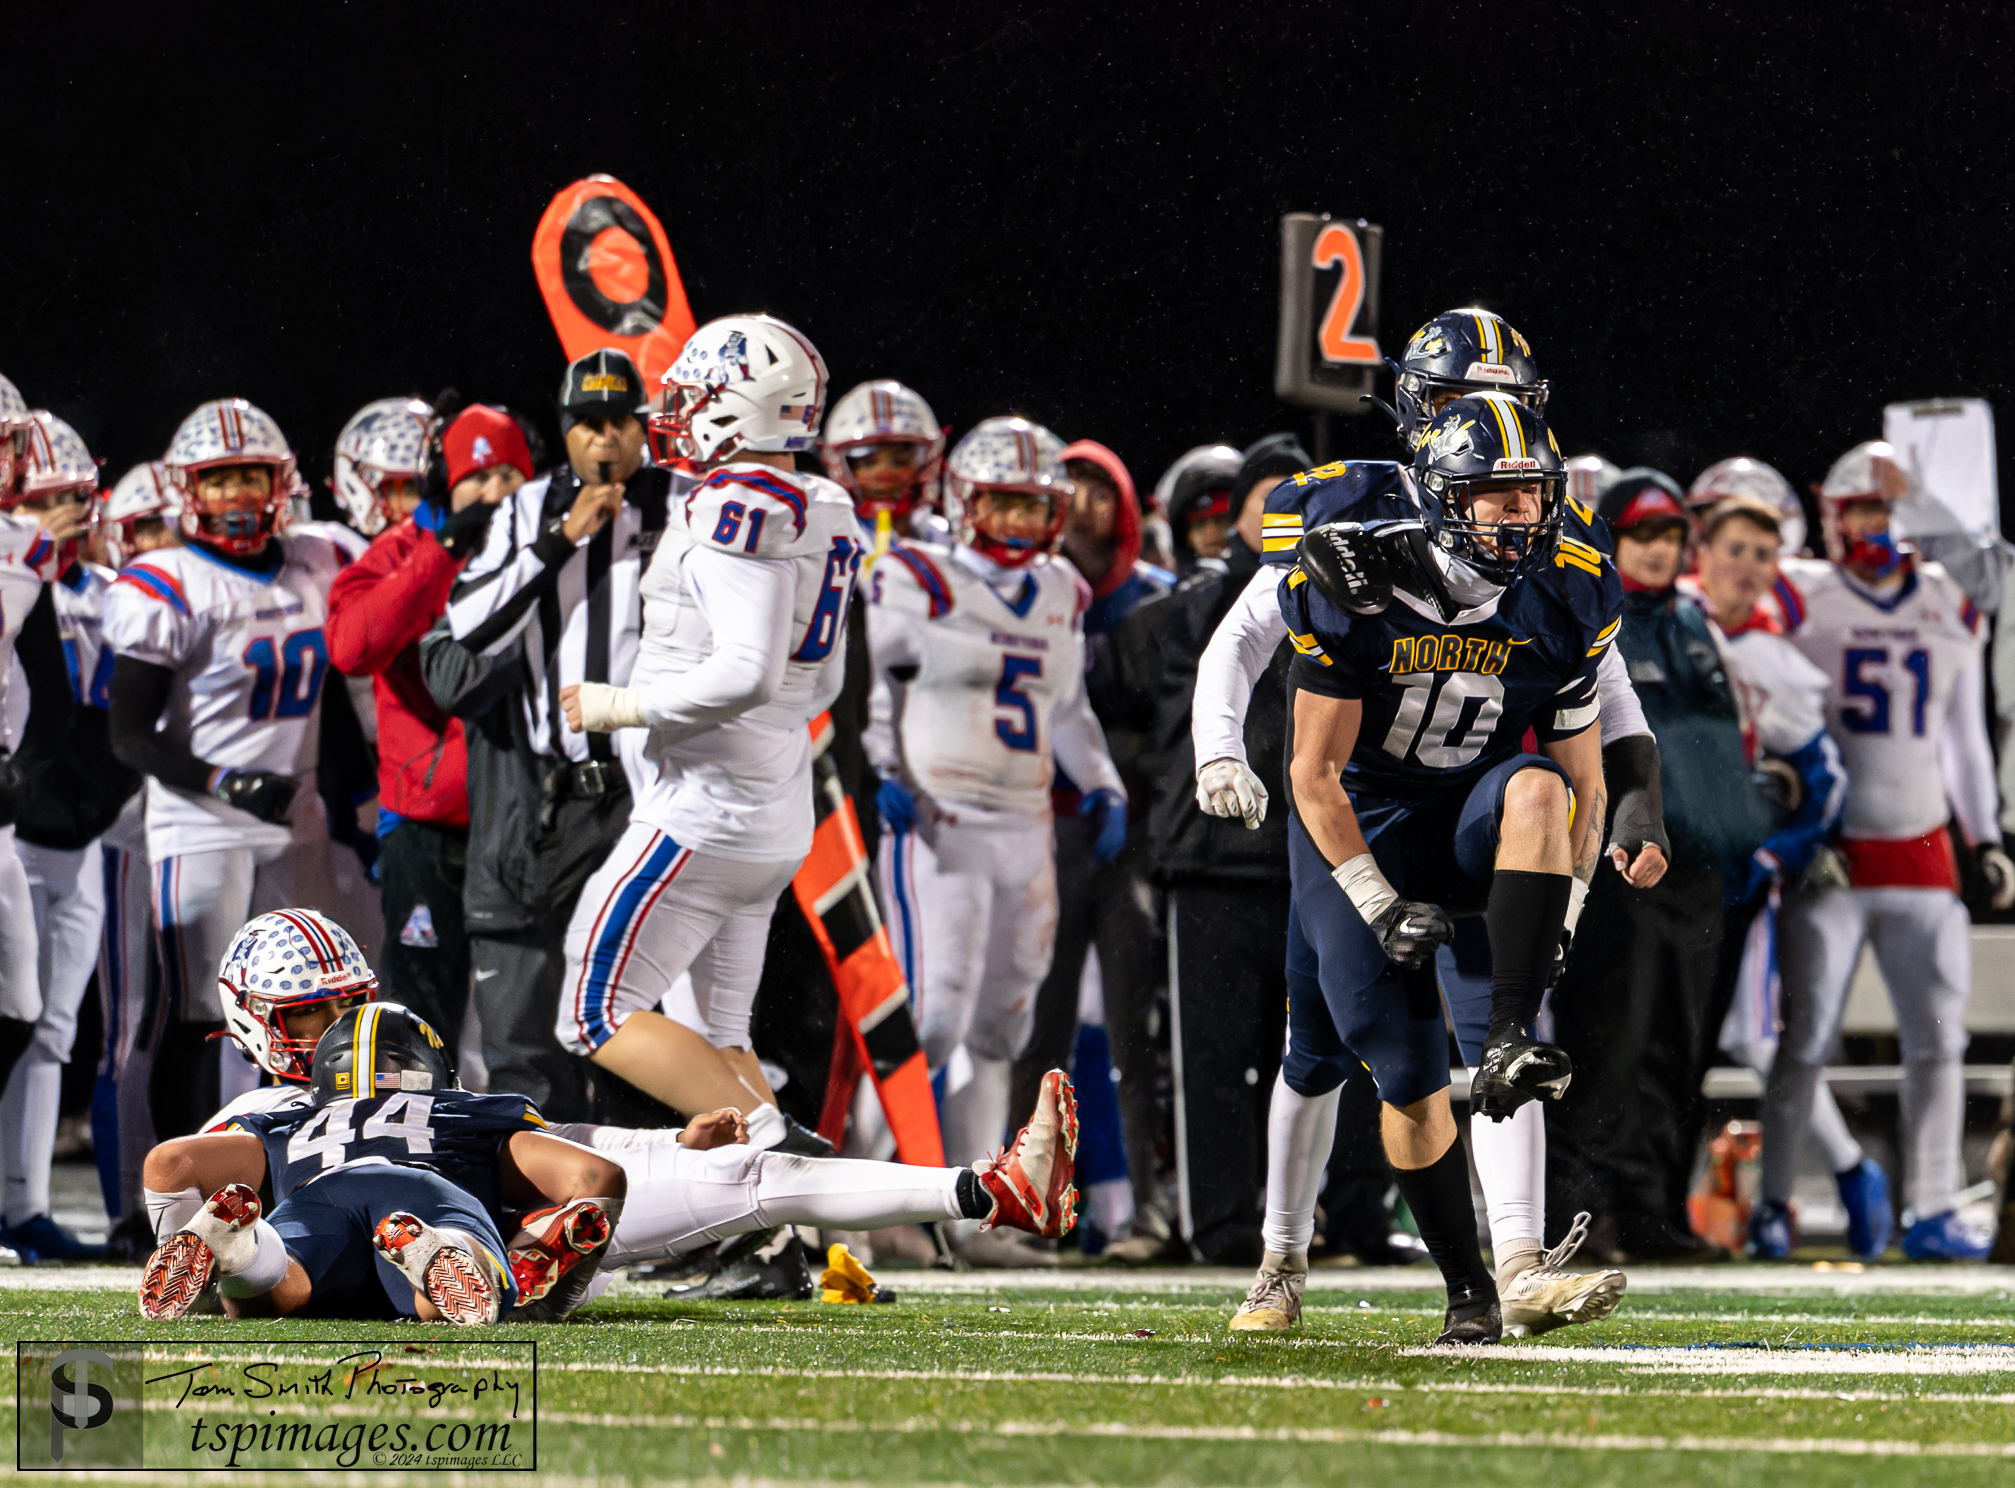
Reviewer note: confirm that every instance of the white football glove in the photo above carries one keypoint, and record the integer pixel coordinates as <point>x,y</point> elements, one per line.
<point>1999,872</point>
<point>1227,787</point>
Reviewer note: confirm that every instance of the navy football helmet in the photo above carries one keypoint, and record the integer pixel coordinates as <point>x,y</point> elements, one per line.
<point>1488,439</point>
<point>377,1049</point>
<point>1458,352</point>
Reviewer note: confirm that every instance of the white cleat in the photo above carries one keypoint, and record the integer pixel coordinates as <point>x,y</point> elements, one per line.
<point>450,1268</point>
<point>217,1241</point>
<point>1546,1296</point>
<point>1274,1303</point>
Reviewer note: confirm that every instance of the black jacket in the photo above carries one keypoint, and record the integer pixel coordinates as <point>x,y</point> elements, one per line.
<point>1163,639</point>
<point>73,786</point>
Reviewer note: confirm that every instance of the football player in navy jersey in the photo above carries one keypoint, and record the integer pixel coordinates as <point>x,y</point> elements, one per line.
<point>392,1184</point>
<point>1439,614</point>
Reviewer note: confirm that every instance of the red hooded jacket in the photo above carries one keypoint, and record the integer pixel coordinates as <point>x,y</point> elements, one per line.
<point>1127,526</point>
<point>379,607</point>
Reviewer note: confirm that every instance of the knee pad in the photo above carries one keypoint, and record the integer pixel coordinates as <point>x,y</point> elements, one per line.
<point>1311,1074</point>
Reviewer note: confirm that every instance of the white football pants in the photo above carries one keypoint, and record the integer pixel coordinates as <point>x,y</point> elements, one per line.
<point>972,916</point>
<point>20,955</point>
<point>203,899</point>
<point>655,910</point>
<point>1922,942</point>
<point>129,989</point>
<point>67,892</point>
<point>680,1199</point>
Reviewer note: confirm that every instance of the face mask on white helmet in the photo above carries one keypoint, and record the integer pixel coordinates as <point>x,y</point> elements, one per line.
<point>1866,473</point>
<point>1007,491</point>
<point>742,383</point>
<point>54,462</point>
<point>288,975</point>
<point>876,416</point>
<point>383,443</point>
<point>146,491</point>
<point>222,434</point>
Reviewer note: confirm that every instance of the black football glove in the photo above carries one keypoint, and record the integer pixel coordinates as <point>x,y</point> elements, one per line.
<point>1358,565</point>
<point>260,792</point>
<point>1408,931</point>
<point>1343,560</point>
<point>460,533</point>
<point>1630,767</point>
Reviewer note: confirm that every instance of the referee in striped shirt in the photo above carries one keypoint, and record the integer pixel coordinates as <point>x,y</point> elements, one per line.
<point>553,589</point>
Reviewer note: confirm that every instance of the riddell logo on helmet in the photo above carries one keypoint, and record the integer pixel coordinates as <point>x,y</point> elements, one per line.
<point>1514,465</point>
<point>1490,372</point>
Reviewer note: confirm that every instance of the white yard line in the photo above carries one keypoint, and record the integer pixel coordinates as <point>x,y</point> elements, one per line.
<point>1945,1360</point>
<point>1320,1436</point>
<point>1272,1382</point>
<point>1209,1282</point>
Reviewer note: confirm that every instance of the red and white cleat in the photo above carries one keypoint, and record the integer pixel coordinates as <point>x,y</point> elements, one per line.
<point>451,1269</point>
<point>218,1239</point>
<point>1031,1180</point>
<point>553,1243</point>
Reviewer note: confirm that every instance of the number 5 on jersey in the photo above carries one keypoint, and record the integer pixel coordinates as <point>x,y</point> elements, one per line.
<point>1019,732</point>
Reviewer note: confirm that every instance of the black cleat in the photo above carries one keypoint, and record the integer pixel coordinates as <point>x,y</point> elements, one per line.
<point>1474,1321</point>
<point>770,1268</point>
<point>803,1141</point>
<point>1514,1070</point>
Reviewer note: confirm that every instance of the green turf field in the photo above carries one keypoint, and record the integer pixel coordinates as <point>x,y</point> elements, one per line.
<point>1896,1376</point>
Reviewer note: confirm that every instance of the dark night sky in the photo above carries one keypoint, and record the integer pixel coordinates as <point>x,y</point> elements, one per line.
<point>1723,230</point>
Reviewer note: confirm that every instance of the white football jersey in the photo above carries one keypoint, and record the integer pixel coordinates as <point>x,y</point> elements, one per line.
<point>250,663</point>
<point>1896,667</point>
<point>746,552</point>
<point>257,1102</point>
<point>998,677</point>
<point>27,561</point>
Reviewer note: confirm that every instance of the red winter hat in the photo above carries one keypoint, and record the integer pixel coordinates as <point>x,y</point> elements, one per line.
<point>482,436</point>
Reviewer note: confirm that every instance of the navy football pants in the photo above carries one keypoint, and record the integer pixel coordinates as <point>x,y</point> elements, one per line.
<point>1442,851</point>
<point>328,1224</point>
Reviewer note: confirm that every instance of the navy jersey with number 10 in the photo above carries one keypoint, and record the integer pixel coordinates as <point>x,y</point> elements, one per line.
<point>454,1133</point>
<point>1444,701</point>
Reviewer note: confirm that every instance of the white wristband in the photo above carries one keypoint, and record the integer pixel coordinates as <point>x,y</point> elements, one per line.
<point>1359,877</point>
<point>605,709</point>
<point>1577,892</point>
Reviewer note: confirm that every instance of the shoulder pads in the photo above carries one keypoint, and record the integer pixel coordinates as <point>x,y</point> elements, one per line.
<point>1344,490</point>
<point>753,511</point>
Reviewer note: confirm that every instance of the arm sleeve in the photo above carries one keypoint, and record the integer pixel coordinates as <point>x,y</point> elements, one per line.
<point>1079,743</point>
<point>1621,714</point>
<point>52,696</point>
<point>1824,774</point>
<point>1239,650</point>
<point>1968,758</point>
<point>385,601</point>
<point>464,683</point>
<point>139,693</point>
<point>747,605</point>
<point>501,586</point>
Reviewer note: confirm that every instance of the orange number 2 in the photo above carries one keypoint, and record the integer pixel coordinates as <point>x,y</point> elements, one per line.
<point>1337,243</point>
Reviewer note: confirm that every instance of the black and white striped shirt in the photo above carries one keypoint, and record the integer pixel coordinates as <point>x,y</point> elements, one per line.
<point>572,606</point>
